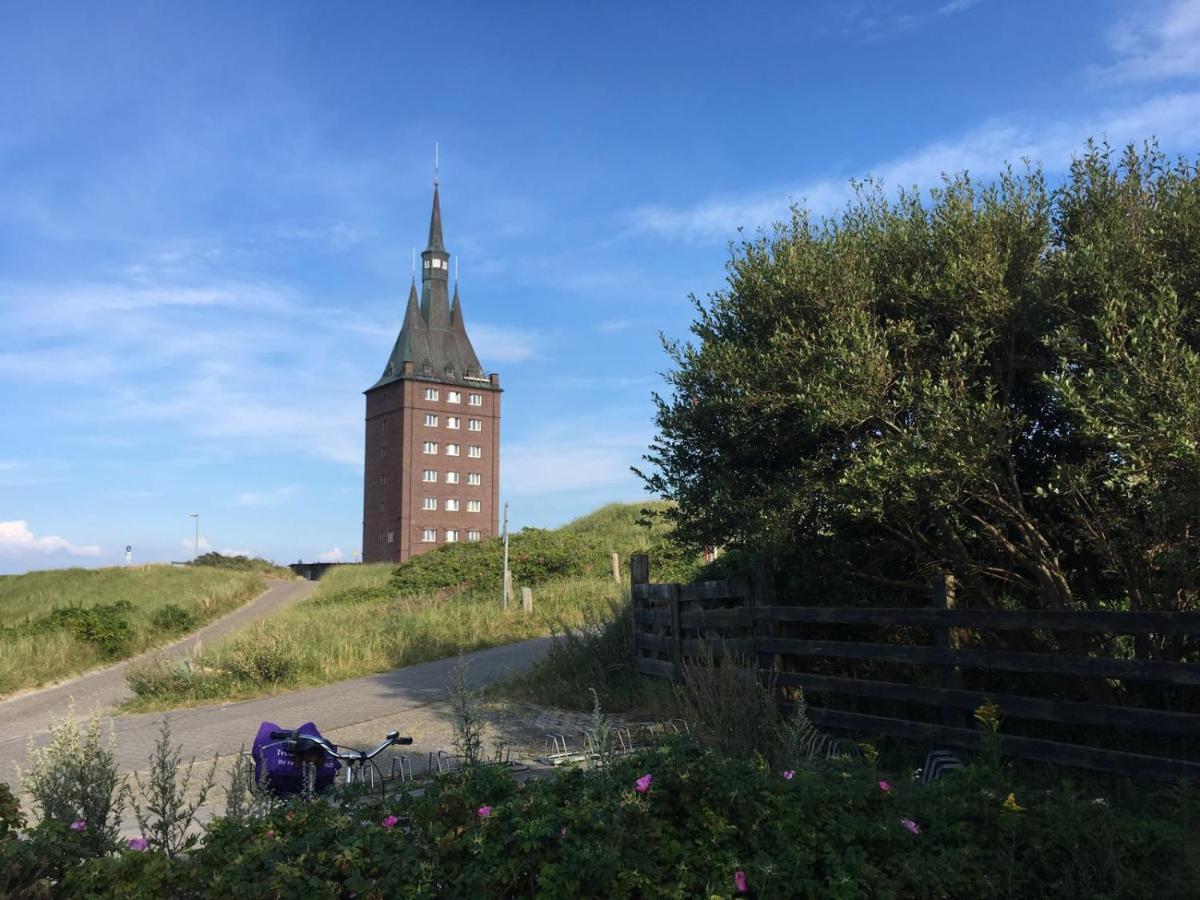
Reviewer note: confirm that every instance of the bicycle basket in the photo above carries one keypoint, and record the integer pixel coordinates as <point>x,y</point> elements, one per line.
<point>284,772</point>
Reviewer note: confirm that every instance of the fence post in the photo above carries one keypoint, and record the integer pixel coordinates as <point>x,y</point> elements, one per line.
<point>676,632</point>
<point>616,566</point>
<point>762,593</point>
<point>639,569</point>
<point>946,637</point>
<point>527,599</point>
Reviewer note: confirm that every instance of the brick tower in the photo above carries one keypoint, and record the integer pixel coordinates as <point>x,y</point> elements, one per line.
<point>432,472</point>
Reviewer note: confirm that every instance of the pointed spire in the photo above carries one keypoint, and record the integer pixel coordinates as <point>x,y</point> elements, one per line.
<point>456,320</point>
<point>435,224</point>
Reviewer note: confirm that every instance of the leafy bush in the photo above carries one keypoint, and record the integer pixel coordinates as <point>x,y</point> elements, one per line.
<point>164,810</point>
<point>216,560</point>
<point>173,618</point>
<point>260,655</point>
<point>11,819</point>
<point>831,830</point>
<point>73,781</point>
<point>105,625</point>
<point>581,548</point>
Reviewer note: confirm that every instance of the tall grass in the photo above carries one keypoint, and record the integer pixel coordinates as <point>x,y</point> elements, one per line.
<point>352,626</point>
<point>149,605</point>
<point>365,619</point>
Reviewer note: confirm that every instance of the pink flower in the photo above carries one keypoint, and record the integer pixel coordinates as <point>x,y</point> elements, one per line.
<point>885,786</point>
<point>484,811</point>
<point>643,783</point>
<point>911,825</point>
<point>789,774</point>
<point>138,843</point>
<point>739,882</point>
<point>389,822</point>
<point>78,825</point>
<point>270,833</point>
<point>562,832</point>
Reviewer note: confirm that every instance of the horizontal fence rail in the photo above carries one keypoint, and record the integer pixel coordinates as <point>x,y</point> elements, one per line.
<point>674,624</point>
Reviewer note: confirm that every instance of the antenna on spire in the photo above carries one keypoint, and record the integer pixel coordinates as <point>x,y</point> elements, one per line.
<point>435,163</point>
<point>456,273</point>
<point>414,249</point>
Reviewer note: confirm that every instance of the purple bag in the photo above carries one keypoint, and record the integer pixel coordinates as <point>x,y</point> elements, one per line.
<point>285,772</point>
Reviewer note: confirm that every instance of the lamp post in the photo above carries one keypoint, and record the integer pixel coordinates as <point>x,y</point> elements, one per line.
<point>196,543</point>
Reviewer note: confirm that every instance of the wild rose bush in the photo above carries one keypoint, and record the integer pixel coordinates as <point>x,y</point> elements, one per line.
<point>704,826</point>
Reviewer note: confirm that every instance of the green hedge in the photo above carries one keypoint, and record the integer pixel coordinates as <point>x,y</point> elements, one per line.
<point>829,831</point>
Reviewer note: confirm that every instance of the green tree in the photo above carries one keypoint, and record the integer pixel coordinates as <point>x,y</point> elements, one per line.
<point>998,381</point>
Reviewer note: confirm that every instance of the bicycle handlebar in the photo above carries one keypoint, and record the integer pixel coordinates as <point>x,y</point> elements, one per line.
<point>302,742</point>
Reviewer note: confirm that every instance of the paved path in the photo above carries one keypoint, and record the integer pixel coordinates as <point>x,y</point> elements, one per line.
<point>29,713</point>
<point>397,696</point>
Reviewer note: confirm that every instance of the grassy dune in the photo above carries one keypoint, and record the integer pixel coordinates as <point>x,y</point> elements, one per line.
<point>57,623</point>
<point>364,619</point>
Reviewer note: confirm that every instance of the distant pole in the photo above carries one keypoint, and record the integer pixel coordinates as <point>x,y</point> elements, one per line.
<point>196,543</point>
<point>505,588</point>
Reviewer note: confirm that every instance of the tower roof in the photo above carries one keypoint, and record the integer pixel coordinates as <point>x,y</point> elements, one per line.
<point>435,224</point>
<point>433,337</point>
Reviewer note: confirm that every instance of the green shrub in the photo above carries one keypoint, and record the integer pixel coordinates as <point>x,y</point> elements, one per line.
<point>216,560</point>
<point>11,819</point>
<point>173,618</point>
<point>74,779</point>
<point>828,831</point>
<point>260,655</point>
<point>105,625</point>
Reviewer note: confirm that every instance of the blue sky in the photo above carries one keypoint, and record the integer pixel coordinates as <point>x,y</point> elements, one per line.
<point>207,213</point>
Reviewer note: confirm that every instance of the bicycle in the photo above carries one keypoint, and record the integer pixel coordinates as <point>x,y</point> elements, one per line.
<point>306,746</point>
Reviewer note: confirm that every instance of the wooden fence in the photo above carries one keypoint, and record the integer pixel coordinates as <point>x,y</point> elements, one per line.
<point>676,622</point>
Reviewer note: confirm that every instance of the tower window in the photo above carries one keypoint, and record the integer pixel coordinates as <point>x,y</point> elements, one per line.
<point>427,264</point>
<point>429,503</point>
<point>429,535</point>
<point>474,425</point>
<point>430,447</point>
<point>474,478</point>
<point>431,393</point>
<point>451,505</point>
<point>472,535</point>
<point>453,421</point>
<point>454,397</point>
<point>475,400</point>
<point>430,419</point>
<point>472,506</point>
<point>451,478</point>
<point>391,537</point>
<point>475,452</point>
<point>451,535</point>
<point>429,475</point>
<point>452,449</point>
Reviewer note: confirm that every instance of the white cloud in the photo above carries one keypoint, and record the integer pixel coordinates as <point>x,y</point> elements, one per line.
<point>957,6</point>
<point>334,555</point>
<point>502,343</point>
<point>271,497</point>
<point>1174,119</point>
<point>578,455</point>
<point>1155,41</point>
<point>16,538</point>
<point>612,326</point>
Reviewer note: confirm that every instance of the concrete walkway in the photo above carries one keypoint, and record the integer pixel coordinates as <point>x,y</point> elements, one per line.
<point>401,699</point>
<point>29,713</point>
